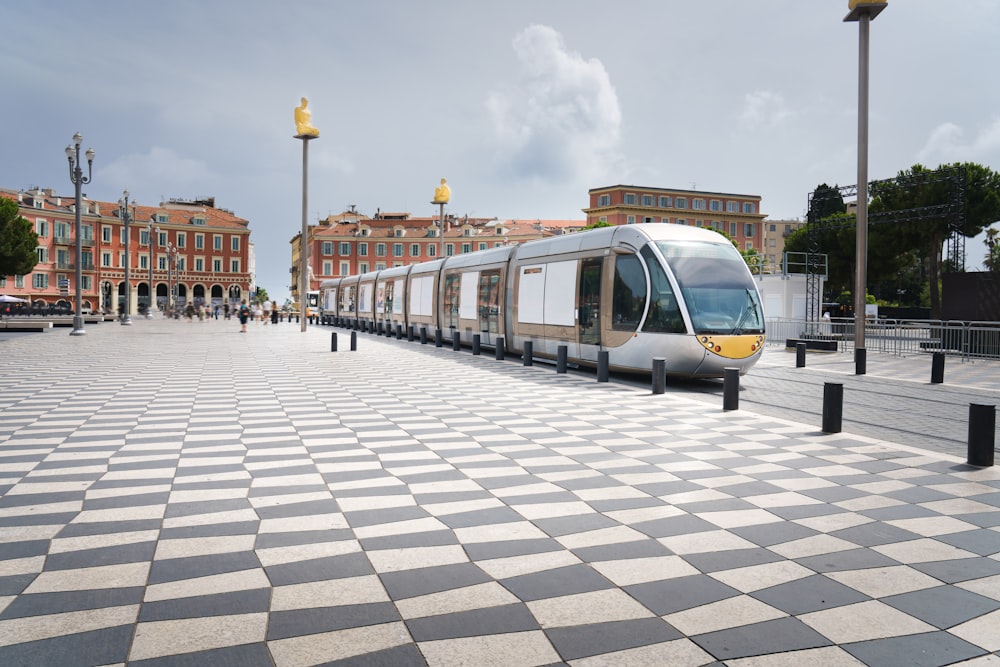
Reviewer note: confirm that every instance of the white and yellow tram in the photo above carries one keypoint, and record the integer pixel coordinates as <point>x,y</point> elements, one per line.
<point>637,291</point>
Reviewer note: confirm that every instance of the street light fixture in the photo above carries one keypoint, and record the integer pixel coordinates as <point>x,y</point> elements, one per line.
<point>172,253</point>
<point>150,228</point>
<point>126,218</point>
<point>78,180</point>
<point>863,12</point>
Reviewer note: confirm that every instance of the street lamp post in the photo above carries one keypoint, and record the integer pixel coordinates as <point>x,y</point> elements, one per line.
<point>171,260</point>
<point>863,12</point>
<point>126,217</point>
<point>305,132</point>
<point>150,228</point>
<point>442,195</point>
<point>76,176</point>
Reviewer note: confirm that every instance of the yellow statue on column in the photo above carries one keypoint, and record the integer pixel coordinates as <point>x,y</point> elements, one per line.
<point>442,193</point>
<point>303,120</point>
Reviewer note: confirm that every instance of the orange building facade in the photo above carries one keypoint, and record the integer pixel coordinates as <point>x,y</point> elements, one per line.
<point>198,253</point>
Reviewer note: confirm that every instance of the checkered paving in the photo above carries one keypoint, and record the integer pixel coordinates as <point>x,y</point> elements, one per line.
<point>179,493</point>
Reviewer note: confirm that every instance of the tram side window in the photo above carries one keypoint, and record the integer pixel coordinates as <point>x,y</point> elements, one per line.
<point>629,297</point>
<point>452,291</point>
<point>664,312</point>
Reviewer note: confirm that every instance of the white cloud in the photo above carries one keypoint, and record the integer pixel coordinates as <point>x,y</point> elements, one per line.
<point>764,108</point>
<point>561,120</point>
<point>159,172</point>
<point>947,143</point>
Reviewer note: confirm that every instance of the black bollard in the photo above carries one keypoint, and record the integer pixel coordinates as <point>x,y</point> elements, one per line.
<point>730,389</point>
<point>297,319</point>
<point>982,426</point>
<point>399,332</point>
<point>526,356</point>
<point>833,406</point>
<point>437,338</point>
<point>333,341</point>
<point>937,368</point>
<point>423,335</point>
<point>800,355</point>
<point>409,333</point>
<point>860,361</point>
<point>561,353</point>
<point>475,344</point>
<point>659,375</point>
<point>499,349</point>
<point>456,340</point>
<point>602,366</point>
<point>354,341</point>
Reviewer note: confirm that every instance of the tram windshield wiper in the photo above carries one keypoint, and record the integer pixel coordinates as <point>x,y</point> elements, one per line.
<point>752,307</point>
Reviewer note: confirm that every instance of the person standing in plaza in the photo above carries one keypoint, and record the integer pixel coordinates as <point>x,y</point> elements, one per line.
<point>244,315</point>
<point>274,312</point>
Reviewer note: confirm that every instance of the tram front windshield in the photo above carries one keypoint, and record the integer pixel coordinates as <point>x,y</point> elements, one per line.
<point>716,286</point>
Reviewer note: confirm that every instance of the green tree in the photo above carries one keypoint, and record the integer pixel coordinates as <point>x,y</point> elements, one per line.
<point>919,187</point>
<point>18,241</point>
<point>992,241</point>
<point>260,296</point>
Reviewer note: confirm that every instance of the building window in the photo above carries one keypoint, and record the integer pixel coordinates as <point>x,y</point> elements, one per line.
<point>772,228</point>
<point>748,230</point>
<point>235,245</point>
<point>327,248</point>
<point>647,200</point>
<point>42,228</point>
<point>199,241</point>
<point>449,249</point>
<point>144,262</point>
<point>732,207</point>
<point>630,220</point>
<point>749,245</point>
<point>380,250</point>
<point>217,242</point>
<point>398,233</point>
<point>345,268</point>
<point>217,265</point>
<point>715,205</point>
<point>681,221</point>
<point>414,250</point>
<point>40,280</point>
<point>466,248</point>
<point>161,239</point>
<point>181,239</point>
<point>234,266</point>
<point>106,259</point>
<point>432,251</point>
<point>43,255</point>
<point>362,249</point>
<point>665,202</point>
<point>482,245</point>
<point>363,267</point>
<point>698,204</point>
<point>86,282</point>
<point>61,230</point>
<point>327,268</point>
<point>630,199</point>
<point>681,202</point>
<point>397,249</point>
<point>604,200</point>
<point>750,207</point>
<point>18,282</point>
<point>732,229</point>
<point>345,249</point>
<point>199,264</point>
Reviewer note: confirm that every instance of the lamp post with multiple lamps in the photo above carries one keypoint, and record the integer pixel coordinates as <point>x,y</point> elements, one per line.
<point>862,12</point>
<point>76,176</point>
<point>150,229</point>
<point>171,258</point>
<point>126,218</point>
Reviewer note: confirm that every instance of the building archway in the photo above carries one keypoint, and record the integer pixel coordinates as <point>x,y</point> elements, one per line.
<point>235,295</point>
<point>182,293</point>
<point>161,296</point>
<point>217,295</point>
<point>142,296</point>
<point>107,304</point>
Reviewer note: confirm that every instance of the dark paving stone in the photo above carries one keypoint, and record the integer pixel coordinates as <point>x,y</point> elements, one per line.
<point>206,507</point>
<point>981,542</point>
<point>98,647</point>
<point>615,504</point>
<point>769,534</point>
<point>221,604</point>
<point>715,561</point>
<point>123,553</point>
<point>38,604</point>
<point>672,595</point>
<point>363,518</point>
<point>490,550</point>
<point>422,581</point>
<point>298,622</point>
<point>683,524</point>
<point>581,641</point>
<point>804,511</point>
<point>924,650</point>
<point>25,549</point>
<point>814,593</point>
<point>309,508</point>
<point>244,655</point>
<point>271,540</point>
<point>424,499</point>
<point>874,534</point>
<point>578,523</point>
<point>944,606</point>
<point>430,538</point>
<point>113,502</point>
<point>621,550</point>
<point>962,569</point>
<point>834,494</point>
<point>484,517</point>
<point>720,505</point>
<point>852,559</point>
<point>777,636</point>
<point>407,655</point>
<point>320,569</point>
<point>557,582</point>
<point>176,569</point>
<point>477,622</point>
<point>26,499</point>
<point>37,519</point>
<point>108,527</point>
<point>15,583</point>
<point>898,512</point>
<point>211,530</point>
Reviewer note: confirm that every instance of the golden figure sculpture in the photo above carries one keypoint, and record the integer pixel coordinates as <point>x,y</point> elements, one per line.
<point>442,193</point>
<point>303,120</point>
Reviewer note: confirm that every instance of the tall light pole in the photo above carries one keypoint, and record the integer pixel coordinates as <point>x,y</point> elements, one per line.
<point>126,218</point>
<point>304,131</point>
<point>150,228</point>
<point>171,261</point>
<point>76,176</point>
<point>442,195</point>
<point>862,12</point>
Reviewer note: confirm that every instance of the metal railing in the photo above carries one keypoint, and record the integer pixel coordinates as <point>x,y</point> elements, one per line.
<point>969,340</point>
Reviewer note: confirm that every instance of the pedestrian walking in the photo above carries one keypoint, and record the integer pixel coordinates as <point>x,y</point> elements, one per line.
<point>274,312</point>
<point>244,315</point>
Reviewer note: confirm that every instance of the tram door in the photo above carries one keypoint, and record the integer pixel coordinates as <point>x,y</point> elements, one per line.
<point>589,314</point>
<point>489,303</point>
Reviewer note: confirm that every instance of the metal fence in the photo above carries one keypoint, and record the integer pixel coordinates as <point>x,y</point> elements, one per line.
<point>969,340</point>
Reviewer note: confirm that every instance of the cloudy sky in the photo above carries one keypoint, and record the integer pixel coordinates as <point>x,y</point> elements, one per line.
<point>522,105</point>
